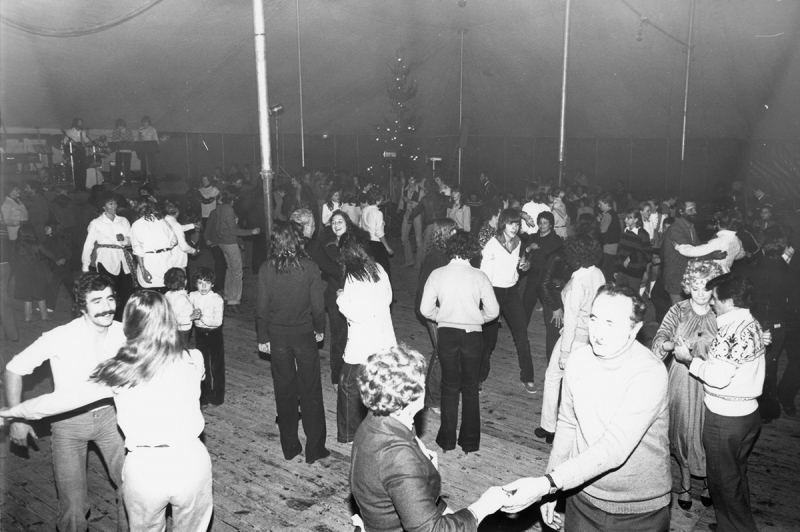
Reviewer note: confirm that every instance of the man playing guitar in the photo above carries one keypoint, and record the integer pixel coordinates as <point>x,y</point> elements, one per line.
<point>75,142</point>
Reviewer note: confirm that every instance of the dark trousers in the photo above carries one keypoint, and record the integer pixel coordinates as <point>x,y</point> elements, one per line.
<point>552,333</point>
<point>790,380</point>
<point>607,265</point>
<point>259,252</point>
<point>583,516</point>
<point>211,343</point>
<point>768,403</point>
<point>123,285</point>
<point>220,267</point>
<point>61,275</point>
<point>338,324</point>
<point>79,168</point>
<point>350,411</point>
<point>531,294</point>
<point>514,314</point>
<point>296,378</point>
<point>381,256</point>
<point>728,442</point>
<point>149,165</point>
<point>122,166</point>
<point>459,353</point>
<point>433,381</point>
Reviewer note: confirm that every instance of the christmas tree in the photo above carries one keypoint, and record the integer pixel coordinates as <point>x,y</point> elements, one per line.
<point>398,131</point>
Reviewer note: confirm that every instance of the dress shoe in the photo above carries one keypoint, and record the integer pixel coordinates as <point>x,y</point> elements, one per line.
<point>529,387</point>
<point>325,453</point>
<point>683,504</point>
<point>547,436</point>
<point>706,499</point>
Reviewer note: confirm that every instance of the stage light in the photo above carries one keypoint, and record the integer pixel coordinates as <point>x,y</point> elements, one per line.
<point>276,110</point>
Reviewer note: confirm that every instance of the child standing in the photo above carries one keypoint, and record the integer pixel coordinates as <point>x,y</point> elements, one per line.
<point>208,334</point>
<point>30,269</point>
<point>185,313</point>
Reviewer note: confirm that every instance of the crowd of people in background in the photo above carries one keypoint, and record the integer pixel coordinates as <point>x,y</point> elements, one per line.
<point>720,278</point>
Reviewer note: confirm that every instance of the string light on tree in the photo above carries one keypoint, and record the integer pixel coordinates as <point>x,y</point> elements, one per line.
<point>397,131</point>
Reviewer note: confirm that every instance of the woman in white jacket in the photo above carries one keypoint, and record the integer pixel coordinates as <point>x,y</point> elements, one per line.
<point>364,301</point>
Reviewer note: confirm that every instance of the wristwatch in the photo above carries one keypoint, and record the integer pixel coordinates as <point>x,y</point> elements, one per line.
<point>553,487</point>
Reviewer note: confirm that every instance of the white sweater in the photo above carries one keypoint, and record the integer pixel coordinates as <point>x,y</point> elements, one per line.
<point>499,265</point>
<point>733,374</point>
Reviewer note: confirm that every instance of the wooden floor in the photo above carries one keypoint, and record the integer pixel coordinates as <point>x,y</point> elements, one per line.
<point>256,489</point>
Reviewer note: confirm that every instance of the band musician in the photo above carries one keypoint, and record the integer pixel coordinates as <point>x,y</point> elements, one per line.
<point>75,142</point>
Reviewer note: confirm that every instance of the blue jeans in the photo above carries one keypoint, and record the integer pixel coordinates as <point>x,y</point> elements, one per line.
<point>350,411</point>
<point>459,353</point>
<point>296,378</point>
<point>70,439</point>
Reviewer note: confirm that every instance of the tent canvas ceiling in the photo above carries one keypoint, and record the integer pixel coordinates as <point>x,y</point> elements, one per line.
<point>189,64</point>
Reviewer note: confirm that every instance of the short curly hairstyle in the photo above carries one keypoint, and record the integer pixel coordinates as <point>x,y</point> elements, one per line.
<point>463,245</point>
<point>87,283</point>
<point>392,379</point>
<point>698,271</point>
<point>583,251</point>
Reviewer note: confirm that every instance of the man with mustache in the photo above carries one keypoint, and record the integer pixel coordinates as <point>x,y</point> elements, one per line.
<point>74,350</point>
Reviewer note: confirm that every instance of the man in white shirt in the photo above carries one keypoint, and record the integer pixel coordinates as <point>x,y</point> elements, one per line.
<point>75,141</point>
<point>74,350</point>
<point>149,156</point>
<point>725,242</point>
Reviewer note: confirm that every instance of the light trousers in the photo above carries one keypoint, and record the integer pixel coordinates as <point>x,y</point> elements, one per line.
<point>157,476</point>
<point>405,231</point>
<point>233,277</point>
<point>552,386</point>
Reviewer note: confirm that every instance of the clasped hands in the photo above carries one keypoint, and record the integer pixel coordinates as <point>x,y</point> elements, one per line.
<point>517,496</point>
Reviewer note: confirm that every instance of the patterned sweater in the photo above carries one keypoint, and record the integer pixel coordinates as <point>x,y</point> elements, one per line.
<point>733,375</point>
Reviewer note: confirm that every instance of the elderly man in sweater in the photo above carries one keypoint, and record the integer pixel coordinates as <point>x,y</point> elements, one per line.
<point>611,439</point>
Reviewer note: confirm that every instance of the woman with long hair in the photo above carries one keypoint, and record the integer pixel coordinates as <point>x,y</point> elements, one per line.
<point>459,211</point>
<point>290,320</point>
<point>340,225</point>
<point>364,301</point>
<point>372,222</point>
<point>155,384</point>
<point>500,262</point>
<point>333,203</point>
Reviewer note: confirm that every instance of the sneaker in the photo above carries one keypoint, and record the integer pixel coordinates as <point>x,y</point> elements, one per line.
<point>529,387</point>
<point>538,307</point>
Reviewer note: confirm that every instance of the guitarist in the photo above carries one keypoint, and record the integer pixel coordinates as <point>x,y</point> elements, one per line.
<point>75,142</point>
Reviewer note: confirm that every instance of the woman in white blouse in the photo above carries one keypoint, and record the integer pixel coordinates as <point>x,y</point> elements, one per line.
<point>500,261</point>
<point>152,239</point>
<point>458,210</point>
<point>108,249</point>
<point>364,301</point>
<point>156,389</point>
<point>180,253</point>
<point>372,222</point>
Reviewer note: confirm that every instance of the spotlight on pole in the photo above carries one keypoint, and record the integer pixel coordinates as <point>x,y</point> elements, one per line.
<point>390,155</point>
<point>276,110</point>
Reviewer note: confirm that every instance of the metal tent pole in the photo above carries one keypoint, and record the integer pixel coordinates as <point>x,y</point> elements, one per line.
<point>300,75</point>
<point>263,111</point>
<point>686,91</point>
<point>561,132</point>
<point>460,105</point>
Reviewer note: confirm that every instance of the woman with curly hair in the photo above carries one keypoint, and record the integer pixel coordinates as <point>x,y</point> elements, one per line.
<point>689,325</point>
<point>436,257</point>
<point>155,384</point>
<point>290,321</point>
<point>500,261</point>
<point>364,301</point>
<point>152,240</point>
<point>583,254</point>
<point>393,477</point>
